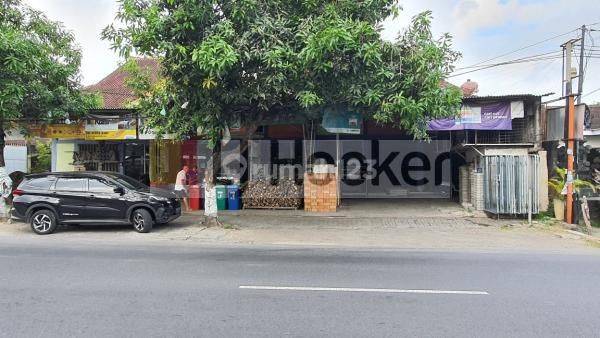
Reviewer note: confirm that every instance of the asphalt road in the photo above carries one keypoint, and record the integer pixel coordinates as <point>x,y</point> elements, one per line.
<point>181,290</point>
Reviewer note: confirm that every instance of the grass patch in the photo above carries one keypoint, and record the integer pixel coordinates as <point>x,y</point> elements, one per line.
<point>595,223</point>
<point>545,218</point>
<point>594,244</point>
<point>229,226</point>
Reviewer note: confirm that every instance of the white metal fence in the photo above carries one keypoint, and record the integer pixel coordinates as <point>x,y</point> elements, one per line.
<point>511,184</point>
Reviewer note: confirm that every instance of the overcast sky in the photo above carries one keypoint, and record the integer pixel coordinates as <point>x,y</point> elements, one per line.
<point>482,29</point>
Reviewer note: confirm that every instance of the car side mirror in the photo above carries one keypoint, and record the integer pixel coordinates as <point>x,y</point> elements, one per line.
<point>119,190</point>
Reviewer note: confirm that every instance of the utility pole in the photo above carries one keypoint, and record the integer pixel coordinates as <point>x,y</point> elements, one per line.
<point>569,129</point>
<point>581,69</point>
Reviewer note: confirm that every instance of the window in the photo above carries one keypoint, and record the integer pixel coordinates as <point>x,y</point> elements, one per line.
<point>70,184</point>
<point>40,183</point>
<point>129,182</point>
<point>96,185</point>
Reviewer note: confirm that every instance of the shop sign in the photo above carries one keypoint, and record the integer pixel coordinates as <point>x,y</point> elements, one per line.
<point>495,116</point>
<point>146,133</point>
<point>339,120</point>
<point>63,131</point>
<point>110,128</point>
<point>98,135</point>
<point>58,131</point>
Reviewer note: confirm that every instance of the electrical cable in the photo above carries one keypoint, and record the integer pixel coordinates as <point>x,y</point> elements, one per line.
<point>525,47</point>
<point>525,57</point>
<point>590,92</point>
<point>517,61</point>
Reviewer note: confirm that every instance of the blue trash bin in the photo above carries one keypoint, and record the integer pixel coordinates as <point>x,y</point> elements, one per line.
<point>233,197</point>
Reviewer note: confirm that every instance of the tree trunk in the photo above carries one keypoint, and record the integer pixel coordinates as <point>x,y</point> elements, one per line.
<point>212,169</point>
<point>2,163</point>
<point>5,181</point>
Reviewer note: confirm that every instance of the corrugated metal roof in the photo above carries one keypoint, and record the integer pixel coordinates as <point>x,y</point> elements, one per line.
<point>505,96</point>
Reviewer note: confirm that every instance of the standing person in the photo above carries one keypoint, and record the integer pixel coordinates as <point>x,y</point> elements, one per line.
<point>192,176</point>
<point>180,186</point>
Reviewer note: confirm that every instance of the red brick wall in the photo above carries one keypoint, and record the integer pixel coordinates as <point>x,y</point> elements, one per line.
<point>320,192</point>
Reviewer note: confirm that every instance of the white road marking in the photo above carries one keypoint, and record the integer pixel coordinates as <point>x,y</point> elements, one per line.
<point>311,288</point>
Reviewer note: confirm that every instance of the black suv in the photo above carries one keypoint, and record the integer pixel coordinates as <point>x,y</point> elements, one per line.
<point>46,200</point>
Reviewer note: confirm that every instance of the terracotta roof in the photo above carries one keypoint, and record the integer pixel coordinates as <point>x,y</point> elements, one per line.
<point>113,88</point>
<point>445,84</point>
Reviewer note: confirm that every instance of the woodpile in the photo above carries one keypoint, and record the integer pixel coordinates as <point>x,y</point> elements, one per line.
<point>262,194</point>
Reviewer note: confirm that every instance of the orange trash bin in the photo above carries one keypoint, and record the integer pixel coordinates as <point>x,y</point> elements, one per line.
<point>194,196</point>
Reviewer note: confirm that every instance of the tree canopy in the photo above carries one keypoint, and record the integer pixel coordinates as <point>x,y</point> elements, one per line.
<point>226,59</point>
<point>39,69</point>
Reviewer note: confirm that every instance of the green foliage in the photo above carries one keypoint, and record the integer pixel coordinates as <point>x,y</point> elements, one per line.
<point>39,63</point>
<point>254,59</point>
<point>557,184</point>
<point>43,158</point>
<point>545,217</point>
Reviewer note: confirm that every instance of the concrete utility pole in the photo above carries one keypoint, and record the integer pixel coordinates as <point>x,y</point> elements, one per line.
<point>569,130</point>
<point>580,75</point>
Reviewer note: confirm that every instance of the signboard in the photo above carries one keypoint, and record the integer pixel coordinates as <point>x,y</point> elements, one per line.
<point>109,128</point>
<point>58,131</point>
<point>146,133</point>
<point>339,120</point>
<point>98,135</point>
<point>495,116</point>
<point>63,131</point>
<point>555,123</point>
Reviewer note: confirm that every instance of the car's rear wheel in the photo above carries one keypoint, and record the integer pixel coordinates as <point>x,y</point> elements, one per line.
<point>142,220</point>
<point>43,222</point>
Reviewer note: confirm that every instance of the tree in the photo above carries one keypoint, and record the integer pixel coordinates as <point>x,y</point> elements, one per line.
<point>557,184</point>
<point>225,60</point>
<point>39,65</point>
<point>43,158</point>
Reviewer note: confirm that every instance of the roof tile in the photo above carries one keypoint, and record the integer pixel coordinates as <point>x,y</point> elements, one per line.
<point>113,88</point>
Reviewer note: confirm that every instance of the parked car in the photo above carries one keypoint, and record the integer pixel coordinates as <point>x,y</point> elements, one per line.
<point>46,200</point>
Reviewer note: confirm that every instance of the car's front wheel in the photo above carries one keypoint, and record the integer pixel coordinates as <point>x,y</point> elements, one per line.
<point>142,220</point>
<point>43,222</point>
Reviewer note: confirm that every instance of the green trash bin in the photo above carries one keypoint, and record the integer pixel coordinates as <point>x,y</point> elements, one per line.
<point>221,197</point>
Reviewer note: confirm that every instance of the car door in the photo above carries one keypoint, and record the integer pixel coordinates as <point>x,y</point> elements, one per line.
<point>104,203</point>
<point>72,195</point>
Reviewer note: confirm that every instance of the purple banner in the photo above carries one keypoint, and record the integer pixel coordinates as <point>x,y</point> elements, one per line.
<point>494,116</point>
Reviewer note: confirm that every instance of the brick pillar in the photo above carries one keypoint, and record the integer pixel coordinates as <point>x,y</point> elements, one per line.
<point>320,192</point>
<point>464,191</point>
<point>477,190</point>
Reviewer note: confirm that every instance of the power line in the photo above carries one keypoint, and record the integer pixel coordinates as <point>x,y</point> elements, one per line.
<point>553,53</point>
<point>511,62</point>
<point>525,47</point>
<point>591,92</point>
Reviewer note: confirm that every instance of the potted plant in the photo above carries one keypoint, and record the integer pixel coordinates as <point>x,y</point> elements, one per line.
<point>557,185</point>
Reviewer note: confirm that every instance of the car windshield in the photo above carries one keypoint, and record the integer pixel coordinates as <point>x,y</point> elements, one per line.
<point>129,182</point>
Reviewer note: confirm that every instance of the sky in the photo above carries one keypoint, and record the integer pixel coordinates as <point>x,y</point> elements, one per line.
<point>482,30</point>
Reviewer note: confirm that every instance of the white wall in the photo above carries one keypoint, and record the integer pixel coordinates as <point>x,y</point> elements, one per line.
<point>15,158</point>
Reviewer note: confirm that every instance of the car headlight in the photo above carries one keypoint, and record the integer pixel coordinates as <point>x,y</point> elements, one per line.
<point>158,199</point>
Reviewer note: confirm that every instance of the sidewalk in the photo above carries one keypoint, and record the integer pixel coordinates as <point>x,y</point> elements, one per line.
<point>439,230</point>
<point>432,232</point>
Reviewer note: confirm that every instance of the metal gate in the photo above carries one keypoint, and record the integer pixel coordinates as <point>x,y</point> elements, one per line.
<point>510,183</point>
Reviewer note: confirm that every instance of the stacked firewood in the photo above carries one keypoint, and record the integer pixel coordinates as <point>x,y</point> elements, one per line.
<point>283,194</point>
